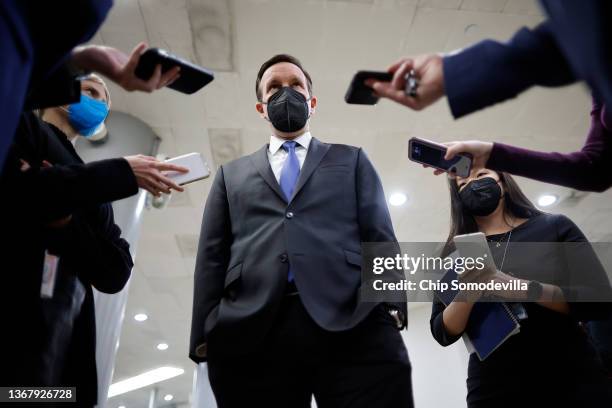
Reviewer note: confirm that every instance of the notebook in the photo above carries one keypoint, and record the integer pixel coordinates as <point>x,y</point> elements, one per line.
<point>490,323</point>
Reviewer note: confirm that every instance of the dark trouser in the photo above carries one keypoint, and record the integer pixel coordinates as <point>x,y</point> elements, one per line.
<point>366,366</point>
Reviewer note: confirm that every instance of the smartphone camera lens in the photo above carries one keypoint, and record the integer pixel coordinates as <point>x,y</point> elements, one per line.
<point>416,151</point>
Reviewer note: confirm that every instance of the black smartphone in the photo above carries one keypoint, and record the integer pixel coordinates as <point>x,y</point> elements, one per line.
<point>432,154</point>
<point>359,93</point>
<point>192,79</point>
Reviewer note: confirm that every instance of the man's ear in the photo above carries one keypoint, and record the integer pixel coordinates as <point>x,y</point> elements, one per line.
<point>260,108</point>
<point>313,104</point>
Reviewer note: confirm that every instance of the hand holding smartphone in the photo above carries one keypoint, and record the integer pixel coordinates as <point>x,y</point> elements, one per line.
<point>192,78</point>
<point>432,154</point>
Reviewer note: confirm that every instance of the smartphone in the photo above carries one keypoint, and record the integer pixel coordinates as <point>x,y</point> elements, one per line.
<point>359,93</point>
<point>198,168</point>
<point>192,79</point>
<point>432,154</point>
<point>475,246</point>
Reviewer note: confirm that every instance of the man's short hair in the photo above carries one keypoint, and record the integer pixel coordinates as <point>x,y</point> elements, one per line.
<point>275,60</point>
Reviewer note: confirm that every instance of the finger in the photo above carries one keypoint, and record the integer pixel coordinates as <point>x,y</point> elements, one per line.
<point>398,64</point>
<point>46,164</point>
<point>453,150</point>
<point>151,83</point>
<point>168,76</point>
<point>163,166</point>
<point>156,186</point>
<point>369,82</point>
<point>437,172</point>
<point>384,89</point>
<point>399,80</point>
<point>170,82</point>
<point>150,188</point>
<point>25,166</point>
<point>135,57</point>
<point>168,182</point>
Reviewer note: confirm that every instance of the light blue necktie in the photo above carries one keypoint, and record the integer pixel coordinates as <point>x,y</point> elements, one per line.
<point>289,177</point>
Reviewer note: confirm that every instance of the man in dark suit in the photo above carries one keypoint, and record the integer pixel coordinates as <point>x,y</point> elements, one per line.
<point>574,44</point>
<point>276,309</point>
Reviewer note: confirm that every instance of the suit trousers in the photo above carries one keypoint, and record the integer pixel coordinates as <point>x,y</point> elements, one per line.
<point>366,366</point>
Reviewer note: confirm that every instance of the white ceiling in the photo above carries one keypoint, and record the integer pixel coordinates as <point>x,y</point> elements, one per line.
<point>333,38</point>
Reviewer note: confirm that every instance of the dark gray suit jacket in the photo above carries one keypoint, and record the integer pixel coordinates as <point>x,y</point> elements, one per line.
<point>250,235</point>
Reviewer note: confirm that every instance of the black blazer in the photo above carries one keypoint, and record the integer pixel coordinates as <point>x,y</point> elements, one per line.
<point>251,234</point>
<point>53,342</point>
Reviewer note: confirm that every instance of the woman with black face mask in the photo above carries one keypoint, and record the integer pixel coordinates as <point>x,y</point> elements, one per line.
<point>550,362</point>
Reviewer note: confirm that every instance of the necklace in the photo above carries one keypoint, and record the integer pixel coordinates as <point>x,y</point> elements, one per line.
<point>501,267</point>
<point>498,244</point>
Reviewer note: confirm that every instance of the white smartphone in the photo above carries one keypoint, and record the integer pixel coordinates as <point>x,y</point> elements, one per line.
<point>198,168</point>
<point>473,246</point>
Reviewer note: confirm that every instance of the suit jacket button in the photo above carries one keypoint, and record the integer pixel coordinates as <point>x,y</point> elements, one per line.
<point>284,258</point>
<point>289,215</point>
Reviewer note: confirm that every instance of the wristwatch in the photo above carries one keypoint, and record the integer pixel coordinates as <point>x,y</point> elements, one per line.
<point>534,291</point>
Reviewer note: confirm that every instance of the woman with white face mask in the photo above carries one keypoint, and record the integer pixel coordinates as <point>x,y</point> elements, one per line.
<point>550,362</point>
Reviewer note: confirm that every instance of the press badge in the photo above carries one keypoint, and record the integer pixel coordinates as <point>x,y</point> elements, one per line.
<point>49,275</point>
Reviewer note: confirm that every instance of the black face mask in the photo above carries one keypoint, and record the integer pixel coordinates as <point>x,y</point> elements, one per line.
<point>481,197</point>
<point>288,110</point>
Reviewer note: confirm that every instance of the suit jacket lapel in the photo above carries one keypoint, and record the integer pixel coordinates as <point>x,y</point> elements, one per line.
<point>262,164</point>
<point>316,152</point>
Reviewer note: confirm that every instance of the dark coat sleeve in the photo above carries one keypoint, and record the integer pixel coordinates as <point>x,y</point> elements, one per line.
<point>94,249</point>
<point>490,72</point>
<point>211,263</point>
<point>375,221</point>
<point>45,194</point>
<point>587,169</point>
<point>436,325</point>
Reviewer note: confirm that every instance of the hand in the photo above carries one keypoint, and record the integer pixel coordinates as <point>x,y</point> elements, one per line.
<point>429,72</point>
<point>120,68</point>
<point>480,151</point>
<point>60,223</point>
<point>509,294</point>
<point>148,172</point>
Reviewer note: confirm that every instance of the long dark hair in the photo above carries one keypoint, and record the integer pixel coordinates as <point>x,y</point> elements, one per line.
<point>516,204</point>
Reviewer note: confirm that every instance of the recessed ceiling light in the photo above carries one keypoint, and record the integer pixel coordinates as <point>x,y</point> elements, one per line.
<point>397,199</point>
<point>140,317</point>
<point>168,397</point>
<point>121,406</point>
<point>143,380</point>
<point>162,346</point>
<point>547,199</point>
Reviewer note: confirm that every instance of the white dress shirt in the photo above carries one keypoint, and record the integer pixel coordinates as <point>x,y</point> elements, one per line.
<point>277,155</point>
